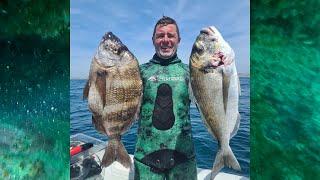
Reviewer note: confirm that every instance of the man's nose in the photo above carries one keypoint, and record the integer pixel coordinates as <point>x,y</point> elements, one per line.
<point>166,39</point>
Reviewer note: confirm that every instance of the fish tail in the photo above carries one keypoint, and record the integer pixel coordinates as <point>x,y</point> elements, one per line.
<point>116,152</point>
<point>224,157</point>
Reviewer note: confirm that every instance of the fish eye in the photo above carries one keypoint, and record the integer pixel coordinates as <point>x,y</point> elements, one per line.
<point>213,39</point>
<point>196,49</point>
<point>121,49</point>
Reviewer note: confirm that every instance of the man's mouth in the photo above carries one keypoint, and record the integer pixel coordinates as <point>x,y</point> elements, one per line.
<point>165,48</point>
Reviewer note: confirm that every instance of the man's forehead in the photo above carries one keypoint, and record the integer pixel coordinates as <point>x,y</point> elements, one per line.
<point>166,28</point>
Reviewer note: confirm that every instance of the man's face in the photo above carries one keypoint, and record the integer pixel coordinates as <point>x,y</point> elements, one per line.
<point>166,40</point>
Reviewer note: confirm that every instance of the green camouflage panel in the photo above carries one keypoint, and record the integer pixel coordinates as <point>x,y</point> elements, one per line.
<point>185,171</point>
<point>178,137</point>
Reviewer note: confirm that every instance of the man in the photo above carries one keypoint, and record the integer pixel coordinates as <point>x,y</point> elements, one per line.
<point>164,148</point>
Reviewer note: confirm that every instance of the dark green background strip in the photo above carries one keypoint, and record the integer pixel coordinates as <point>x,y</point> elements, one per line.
<point>34,85</point>
<point>285,89</point>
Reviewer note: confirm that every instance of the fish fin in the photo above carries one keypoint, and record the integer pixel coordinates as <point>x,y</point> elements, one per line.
<point>226,83</point>
<point>86,90</point>
<point>236,127</point>
<point>101,85</point>
<point>198,108</point>
<point>224,158</point>
<point>137,115</point>
<point>110,154</point>
<point>96,121</point>
<point>239,87</point>
<point>123,156</point>
<point>116,152</point>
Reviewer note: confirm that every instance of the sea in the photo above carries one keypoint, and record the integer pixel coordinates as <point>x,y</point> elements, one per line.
<point>205,145</point>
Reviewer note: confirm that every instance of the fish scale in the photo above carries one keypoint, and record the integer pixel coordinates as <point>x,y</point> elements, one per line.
<point>216,93</point>
<point>114,92</point>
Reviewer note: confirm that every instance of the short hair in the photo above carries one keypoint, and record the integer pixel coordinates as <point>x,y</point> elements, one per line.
<point>165,20</point>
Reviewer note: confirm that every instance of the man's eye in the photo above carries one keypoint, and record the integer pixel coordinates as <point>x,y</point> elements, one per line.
<point>160,36</point>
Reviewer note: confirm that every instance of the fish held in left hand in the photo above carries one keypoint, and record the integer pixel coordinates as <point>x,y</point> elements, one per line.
<point>114,91</point>
<point>216,89</point>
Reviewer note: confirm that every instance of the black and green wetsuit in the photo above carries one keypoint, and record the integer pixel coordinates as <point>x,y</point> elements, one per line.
<point>164,147</point>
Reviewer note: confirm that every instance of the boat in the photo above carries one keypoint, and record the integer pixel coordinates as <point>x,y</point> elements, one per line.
<point>116,171</point>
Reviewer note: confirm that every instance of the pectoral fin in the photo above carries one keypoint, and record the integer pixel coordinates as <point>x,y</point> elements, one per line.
<point>86,90</point>
<point>226,84</point>
<point>137,115</point>
<point>101,85</point>
<point>97,122</point>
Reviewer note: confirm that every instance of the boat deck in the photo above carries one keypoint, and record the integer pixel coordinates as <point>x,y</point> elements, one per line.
<point>118,172</point>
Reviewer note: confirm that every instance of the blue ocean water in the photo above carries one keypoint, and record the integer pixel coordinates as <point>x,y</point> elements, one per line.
<point>205,145</point>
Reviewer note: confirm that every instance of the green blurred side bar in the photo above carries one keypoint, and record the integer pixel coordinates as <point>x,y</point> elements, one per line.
<point>34,89</point>
<point>285,89</point>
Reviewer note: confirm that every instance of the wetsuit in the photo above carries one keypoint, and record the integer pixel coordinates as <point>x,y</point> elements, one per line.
<point>164,148</point>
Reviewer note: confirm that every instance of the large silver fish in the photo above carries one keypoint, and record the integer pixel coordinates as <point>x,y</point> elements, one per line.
<point>216,90</point>
<point>114,92</point>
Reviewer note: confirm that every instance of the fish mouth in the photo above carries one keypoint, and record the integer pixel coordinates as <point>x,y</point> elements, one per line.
<point>209,34</point>
<point>110,36</point>
<point>207,31</point>
<point>113,43</point>
<point>211,65</point>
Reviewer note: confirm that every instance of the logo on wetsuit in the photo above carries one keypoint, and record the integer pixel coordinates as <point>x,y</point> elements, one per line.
<point>165,78</point>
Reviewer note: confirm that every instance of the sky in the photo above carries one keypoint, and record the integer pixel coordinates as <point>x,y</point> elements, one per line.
<point>133,22</point>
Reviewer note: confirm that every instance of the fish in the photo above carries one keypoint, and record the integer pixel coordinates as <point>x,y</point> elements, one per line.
<point>114,92</point>
<point>215,89</point>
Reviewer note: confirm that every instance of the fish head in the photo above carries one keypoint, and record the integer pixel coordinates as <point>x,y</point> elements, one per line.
<point>112,52</point>
<point>207,49</point>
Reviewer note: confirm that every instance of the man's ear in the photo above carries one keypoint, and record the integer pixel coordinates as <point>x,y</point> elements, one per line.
<point>152,40</point>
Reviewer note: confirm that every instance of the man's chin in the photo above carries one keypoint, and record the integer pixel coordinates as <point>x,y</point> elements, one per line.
<point>165,55</point>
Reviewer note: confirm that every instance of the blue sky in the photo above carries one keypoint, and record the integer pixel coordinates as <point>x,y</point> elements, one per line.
<point>133,22</point>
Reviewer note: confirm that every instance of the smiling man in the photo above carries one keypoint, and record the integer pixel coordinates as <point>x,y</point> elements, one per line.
<point>166,39</point>
<point>164,148</point>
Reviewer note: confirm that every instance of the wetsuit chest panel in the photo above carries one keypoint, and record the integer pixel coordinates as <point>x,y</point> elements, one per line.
<point>175,133</point>
<point>176,79</point>
<point>163,116</point>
